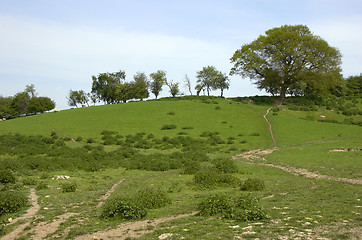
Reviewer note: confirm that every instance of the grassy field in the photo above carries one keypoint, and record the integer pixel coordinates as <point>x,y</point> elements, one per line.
<point>181,178</point>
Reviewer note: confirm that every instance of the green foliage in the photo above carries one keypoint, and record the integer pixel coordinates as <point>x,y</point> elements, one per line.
<point>11,201</point>
<point>271,59</point>
<point>152,197</point>
<point>216,204</point>
<point>168,126</point>
<point>69,187</point>
<point>213,177</point>
<point>158,80</point>
<point>253,184</point>
<point>43,185</point>
<point>123,208</point>
<point>241,208</point>
<point>225,165</point>
<point>6,176</point>
<point>171,113</point>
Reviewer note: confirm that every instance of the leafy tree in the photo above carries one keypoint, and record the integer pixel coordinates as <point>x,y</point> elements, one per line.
<point>124,92</point>
<point>174,89</point>
<point>188,84</point>
<point>5,107</point>
<point>73,98</point>
<point>158,80</point>
<point>199,87</point>
<point>288,58</point>
<point>207,77</point>
<point>140,86</point>
<point>354,85</point>
<point>77,97</point>
<point>40,105</point>
<point>222,82</point>
<point>30,89</point>
<point>104,86</point>
<point>20,103</point>
<point>93,98</point>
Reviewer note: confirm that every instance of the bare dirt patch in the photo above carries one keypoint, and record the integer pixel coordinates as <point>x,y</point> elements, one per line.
<point>132,229</point>
<point>346,150</point>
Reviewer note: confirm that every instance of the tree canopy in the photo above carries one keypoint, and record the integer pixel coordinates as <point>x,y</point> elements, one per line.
<point>158,80</point>
<point>289,59</point>
<point>210,78</point>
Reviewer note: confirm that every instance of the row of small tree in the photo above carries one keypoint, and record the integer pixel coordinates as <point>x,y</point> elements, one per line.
<point>112,88</point>
<point>24,103</point>
<point>287,60</point>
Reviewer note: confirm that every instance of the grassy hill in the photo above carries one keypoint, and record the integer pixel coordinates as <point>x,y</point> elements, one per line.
<point>144,169</point>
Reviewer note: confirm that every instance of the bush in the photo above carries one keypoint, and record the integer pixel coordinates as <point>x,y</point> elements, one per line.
<point>11,201</point>
<point>6,176</point>
<point>123,208</point>
<point>242,208</point>
<point>69,187</point>
<point>225,165</point>
<point>168,127</point>
<point>253,184</point>
<point>188,127</point>
<point>90,140</point>
<point>171,113</point>
<point>217,108</point>
<point>212,177</point>
<point>29,181</point>
<point>41,186</point>
<point>255,134</point>
<point>216,204</point>
<point>152,197</point>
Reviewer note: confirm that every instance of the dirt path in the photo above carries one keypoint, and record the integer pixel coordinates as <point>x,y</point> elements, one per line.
<point>30,213</point>
<point>132,229</point>
<point>108,194</point>
<point>42,229</point>
<point>270,126</point>
<point>257,157</point>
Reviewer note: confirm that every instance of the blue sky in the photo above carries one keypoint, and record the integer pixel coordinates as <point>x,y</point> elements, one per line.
<point>59,45</point>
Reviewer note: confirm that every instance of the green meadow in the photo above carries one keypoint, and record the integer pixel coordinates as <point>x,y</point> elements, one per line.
<point>180,168</point>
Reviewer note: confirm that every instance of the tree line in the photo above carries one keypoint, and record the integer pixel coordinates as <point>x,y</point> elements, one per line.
<point>24,103</point>
<point>286,60</point>
<point>112,88</point>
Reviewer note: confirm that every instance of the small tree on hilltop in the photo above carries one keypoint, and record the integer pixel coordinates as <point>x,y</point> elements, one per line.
<point>158,80</point>
<point>140,86</point>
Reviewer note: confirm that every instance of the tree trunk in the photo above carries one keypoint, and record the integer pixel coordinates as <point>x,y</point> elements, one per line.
<point>283,91</point>
<point>222,92</point>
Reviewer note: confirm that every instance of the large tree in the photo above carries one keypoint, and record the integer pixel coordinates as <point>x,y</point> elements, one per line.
<point>207,78</point>
<point>40,105</point>
<point>158,80</point>
<point>288,58</point>
<point>104,85</point>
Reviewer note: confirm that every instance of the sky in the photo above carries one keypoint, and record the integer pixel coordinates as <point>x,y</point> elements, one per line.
<point>58,45</point>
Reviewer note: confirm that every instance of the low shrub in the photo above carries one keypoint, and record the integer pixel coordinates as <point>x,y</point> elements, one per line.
<point>69,187</point>
<point>255,134</point>
<point>212,177</point>
<point>217,108</point>
<point>188,127</point>
<point>122,208</point>
<point>90,140</point>
<point>79,139</point>
<point>168,126</point>
<point>241,208</point>
<point>216,204</point>
<point>152,197</point>
<point>11,201</point>
<point>29,181</point>
<point>225,165</point>
<point>171,113</point>
<point>41,186</point>
<point>253,184</point>
<point>6,176</point>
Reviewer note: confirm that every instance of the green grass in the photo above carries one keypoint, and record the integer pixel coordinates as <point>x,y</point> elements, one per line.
<point>298,207</point>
